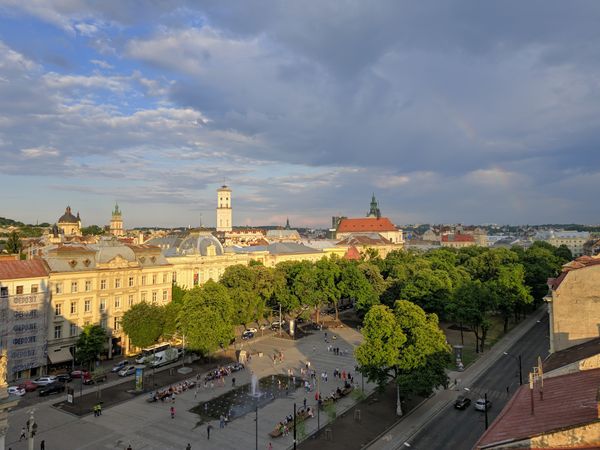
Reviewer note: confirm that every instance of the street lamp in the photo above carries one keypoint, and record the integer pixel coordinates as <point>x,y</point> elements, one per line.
<point>31,430</point>
<point>519,362</point>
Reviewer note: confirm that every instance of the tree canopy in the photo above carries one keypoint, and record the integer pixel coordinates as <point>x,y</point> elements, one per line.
<point>90,343</point>
<point>143,323</point>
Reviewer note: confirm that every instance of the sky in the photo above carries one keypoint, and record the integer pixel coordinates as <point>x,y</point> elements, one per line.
<point>450,112</point>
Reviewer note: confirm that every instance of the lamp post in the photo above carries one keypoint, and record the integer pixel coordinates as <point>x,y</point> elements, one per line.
<point>520,369</point>
<point>256,424</point>
<point>486,410</point>
<point>31,430</point>
<point>294,426</point>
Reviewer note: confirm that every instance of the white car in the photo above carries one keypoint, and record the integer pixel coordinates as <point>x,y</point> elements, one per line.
<point>126,371</point>
<point>43,381</point>
<point>252,330</point>
<point>481,406</point>
<point>16,390</point>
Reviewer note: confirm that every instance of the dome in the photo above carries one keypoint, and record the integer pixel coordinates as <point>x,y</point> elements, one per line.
<point>200,244</point>
<point>68,217</point>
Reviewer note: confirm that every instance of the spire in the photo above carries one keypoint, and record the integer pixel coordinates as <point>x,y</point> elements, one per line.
<point>116,212</point>
<point>287,223</point>
<point>374,211</point>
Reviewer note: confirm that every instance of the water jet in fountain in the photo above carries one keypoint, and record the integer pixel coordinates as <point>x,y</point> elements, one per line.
<point>254,391</point>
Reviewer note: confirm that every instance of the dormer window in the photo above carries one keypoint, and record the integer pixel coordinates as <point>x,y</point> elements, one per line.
<point>87,262</point>
<point>72,263</point>
<point>153,259</point>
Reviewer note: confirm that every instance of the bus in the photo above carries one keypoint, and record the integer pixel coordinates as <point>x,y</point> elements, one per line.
<point>149,352</point>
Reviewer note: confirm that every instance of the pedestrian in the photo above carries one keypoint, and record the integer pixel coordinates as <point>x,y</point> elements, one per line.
<point>129,447</point>
<point>43,445</point>
<point>233,382</point>
<point>99,409</point>
<point>188,447</point>
<point>325,377</point>
<point>208,428</point>
<point>304,402</point>
<point>23,436</point>
<point>172,412</point>
<point>507,390</point>
<point>196,393</point>
<point>221,421</point>
<point>270,447</point>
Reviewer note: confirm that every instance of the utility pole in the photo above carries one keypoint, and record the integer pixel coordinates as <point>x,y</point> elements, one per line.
<point>280,324</point>
<point>520,372</point>
<point>294,427</point>
<point>31,430</point>
<point>486,410</point>
<point>256,425</point>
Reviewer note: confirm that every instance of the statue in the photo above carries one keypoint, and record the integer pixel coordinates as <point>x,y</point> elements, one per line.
<point>3,368</point>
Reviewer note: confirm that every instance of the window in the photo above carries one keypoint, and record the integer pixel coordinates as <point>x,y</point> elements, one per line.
<point>102,284</point>
<point>58,288</point>
<point>3,291</point>
<point>143,296</point>
<point>130,300</point>
<point>143,280</point>
<point>57,331</point>
<point>117,283</point>
<point>88,286</point>
<point>19,290</point>
<point>165,277</point>
<point>117,302</point>
<point>154,278</point>
<point>154,296</point>
<point>58,309</point>
<point>102,304</point>
<point>117,323</point>
<point>34,288</point>
<point>174,277</point>
<point>73,286</point>
<point>87,305</point>
<point>73,330</point>
<point>130,281</point>
<point>165,295</point>
<point>86,323</point>
<point>73,307</point>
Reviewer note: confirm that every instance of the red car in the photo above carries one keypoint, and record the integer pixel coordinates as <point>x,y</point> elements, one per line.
<point>78,373</point>
<point>28,385</point>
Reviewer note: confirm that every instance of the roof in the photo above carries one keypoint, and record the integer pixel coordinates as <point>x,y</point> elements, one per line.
<point>13,269</point>
<point>366,224</point>
<point>282,234</point>
<point>364,239</point>
<point>278,248</point>
<point>458,238</point>
<point>572,354</point>
<point>352,254</point>
<point>67,217</point>
<point>569,400</point>
<point>579,263</point>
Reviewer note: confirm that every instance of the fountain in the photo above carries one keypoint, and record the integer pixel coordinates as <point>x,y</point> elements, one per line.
<point>244,399</point>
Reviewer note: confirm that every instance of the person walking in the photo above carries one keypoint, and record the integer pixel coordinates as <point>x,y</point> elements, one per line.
<point>233,382</point>
<point>304,402</point>
<point>270,447</point>
<point>43,445</point>
<point>172,412</point>
<point>129,447</point>
<point>208,428</point>
<point>23,435</point>
<point>99,409</point>
<point>188,447</point>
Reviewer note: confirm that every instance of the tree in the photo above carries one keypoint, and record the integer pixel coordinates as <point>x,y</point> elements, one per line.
<point>92,230</point>
<point>510,291</point>
<point>355,285</point>
<point>13,243</point>
<point>540,263</point>
<point>143,323</point>
<point>90,343</point>
<point>399,345</point>
<point>564,254</point>
<point>207,316</point>
<point>327,273</point>
<point>240,280</point>
<point>472,304</point>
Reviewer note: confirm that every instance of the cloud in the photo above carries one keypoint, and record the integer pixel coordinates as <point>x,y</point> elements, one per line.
<point>102,64</point>
<point>39,152</point>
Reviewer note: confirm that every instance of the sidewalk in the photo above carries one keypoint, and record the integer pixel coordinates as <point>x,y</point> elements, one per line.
<point>409,425</point>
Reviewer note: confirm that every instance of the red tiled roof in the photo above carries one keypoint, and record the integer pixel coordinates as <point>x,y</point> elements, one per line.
<point>10,270</point>
<point>352,254</point>
<point>72,249</point>
<point>366,224</point>
<point>569,400</point>
<point>457,238</point>
<point>572,354</point>
<point>360,239</point>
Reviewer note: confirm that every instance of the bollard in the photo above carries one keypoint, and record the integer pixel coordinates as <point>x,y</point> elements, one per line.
<point>328,434</point>
<point>357,415</point>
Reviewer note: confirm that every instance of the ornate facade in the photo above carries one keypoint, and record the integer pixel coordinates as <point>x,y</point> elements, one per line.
<point>116,222</point>
<point>224,211</point>
<point>68,224</point>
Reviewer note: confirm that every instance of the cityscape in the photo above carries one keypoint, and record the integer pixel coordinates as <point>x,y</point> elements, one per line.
<point>340,226</point>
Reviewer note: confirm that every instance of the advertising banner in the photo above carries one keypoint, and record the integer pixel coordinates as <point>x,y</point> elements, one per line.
<point>139,379</point>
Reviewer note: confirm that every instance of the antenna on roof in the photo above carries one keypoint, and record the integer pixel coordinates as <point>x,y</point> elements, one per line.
<point>200,220</point>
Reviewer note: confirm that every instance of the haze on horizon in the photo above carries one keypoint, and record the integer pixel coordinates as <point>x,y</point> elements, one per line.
<point>458,111</point>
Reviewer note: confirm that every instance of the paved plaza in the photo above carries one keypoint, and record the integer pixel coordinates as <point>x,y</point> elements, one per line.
<point>148,426</point>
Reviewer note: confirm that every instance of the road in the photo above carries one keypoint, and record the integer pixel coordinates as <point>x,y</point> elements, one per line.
<point>459,430</point>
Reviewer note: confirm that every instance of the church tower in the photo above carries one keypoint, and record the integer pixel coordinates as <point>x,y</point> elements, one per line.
<point>116,222</point>
<point>224,211</point>
<point>374,211</point>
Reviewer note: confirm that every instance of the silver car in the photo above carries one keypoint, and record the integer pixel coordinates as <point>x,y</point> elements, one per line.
<point>43,381</point>
<point>126,371</point>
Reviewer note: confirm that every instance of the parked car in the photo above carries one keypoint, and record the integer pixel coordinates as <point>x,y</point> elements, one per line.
<point>119,366</point>
<point>91,378</point>
<point>462,402</point>
<point>247,335</point>
<point>52,388</point>
<point>43,381</point>
<point>126,371</point>
<point>16,390</point>
<point>64,377</point>
<point>78,373</point>
<point>28,385</point>
<point>277,324</point>
<point>251,330</point>
<point>480,405</point>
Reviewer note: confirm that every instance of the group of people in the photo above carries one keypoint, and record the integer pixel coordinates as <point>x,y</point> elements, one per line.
<point>171,392</point>
<point>337,351</point>
<point>97,409</point>
<point>221,372</point>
